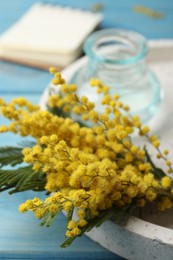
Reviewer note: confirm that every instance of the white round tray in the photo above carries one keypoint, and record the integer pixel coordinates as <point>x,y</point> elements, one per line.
<point>152,238</point>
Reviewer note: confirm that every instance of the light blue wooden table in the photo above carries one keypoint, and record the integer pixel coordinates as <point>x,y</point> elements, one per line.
<point>20,235</point>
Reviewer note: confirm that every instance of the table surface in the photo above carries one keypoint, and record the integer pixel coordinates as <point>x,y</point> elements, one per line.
<point>21,237</point>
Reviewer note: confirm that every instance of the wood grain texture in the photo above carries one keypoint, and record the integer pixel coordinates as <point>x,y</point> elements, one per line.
<point>21,237</point>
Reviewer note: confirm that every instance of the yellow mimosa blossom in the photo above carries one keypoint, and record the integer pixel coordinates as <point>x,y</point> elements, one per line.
<point>166,203</point>
<point>166,182</point>
<point>93,167</point>
<point>72,224</point>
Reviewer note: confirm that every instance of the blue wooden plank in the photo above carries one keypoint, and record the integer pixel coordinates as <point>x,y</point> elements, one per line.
<point>116,14</point>
<point>20,236</point>
<point>20,80</point>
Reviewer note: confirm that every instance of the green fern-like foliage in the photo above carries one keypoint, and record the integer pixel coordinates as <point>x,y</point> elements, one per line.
<point>21,179</point>
<point>10,156</point>
<point>15,177</point>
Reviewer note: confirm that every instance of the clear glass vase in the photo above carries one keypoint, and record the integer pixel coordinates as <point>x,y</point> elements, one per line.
<point>118,58</point>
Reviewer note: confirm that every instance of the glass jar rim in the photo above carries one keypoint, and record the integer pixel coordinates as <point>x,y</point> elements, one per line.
<point>136,38</point>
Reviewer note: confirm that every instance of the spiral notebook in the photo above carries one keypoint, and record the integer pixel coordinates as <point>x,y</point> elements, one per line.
<point>48,35</point>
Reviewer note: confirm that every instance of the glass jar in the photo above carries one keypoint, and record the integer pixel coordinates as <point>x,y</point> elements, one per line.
<point>118,58</point>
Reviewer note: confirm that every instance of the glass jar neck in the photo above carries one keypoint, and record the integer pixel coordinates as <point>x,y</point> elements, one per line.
<point>116,56</point>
